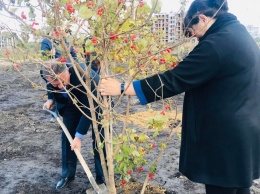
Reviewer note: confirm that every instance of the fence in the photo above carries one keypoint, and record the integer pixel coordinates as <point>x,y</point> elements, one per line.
<point>6,41</point>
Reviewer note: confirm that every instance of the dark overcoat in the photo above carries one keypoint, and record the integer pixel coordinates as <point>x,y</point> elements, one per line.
<point>78,92</point>
<point>221,114</point>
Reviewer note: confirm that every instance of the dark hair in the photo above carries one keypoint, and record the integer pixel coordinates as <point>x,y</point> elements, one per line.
<point>206,7</point>
<point>52,68</point>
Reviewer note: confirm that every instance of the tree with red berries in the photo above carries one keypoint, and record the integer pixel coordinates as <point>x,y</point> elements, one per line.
<point>121,38</point>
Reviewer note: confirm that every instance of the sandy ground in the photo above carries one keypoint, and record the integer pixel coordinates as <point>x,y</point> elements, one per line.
<point>30,157</point>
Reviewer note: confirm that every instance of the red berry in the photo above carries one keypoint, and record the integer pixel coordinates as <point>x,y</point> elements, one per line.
<point>120,1</point>
<point>94,40</point>
<point>16,66</point>
<point>153,145</point>
<point>7,52</point>
<point>168,50</point>
<point>163,60</point>
<point>123,182</point>
<point>163,113</point>
<point>56,32</point>
<point>174,64</point>
<point>113,36</point>
<point>167,107</point>
<point>69,8</point>
<point>151,175</point>
<point>23,15</point>
<point>141,4</point>
<point>133,47</point>
<point>62,60</point>
<point>140,169</point>
<point>133,38</point>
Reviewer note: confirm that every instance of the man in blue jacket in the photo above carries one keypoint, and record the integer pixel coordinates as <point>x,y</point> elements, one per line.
<point>59,77</point>
<point>49,47</point>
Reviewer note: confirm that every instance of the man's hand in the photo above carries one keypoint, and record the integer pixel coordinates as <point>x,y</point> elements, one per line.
<point>76,143</point>
<point>53,51</point>
<point>49,104</point>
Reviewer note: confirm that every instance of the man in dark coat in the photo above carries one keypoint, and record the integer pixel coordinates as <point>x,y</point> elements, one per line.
<point>49,50</point>
<point>220,143</point>
<point>76,122</point>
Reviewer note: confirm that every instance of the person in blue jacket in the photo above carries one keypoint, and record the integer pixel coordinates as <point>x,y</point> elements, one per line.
<point>91,57</point>
<point>76,122</point>
<point>220,144</point>
<point>49,47</point>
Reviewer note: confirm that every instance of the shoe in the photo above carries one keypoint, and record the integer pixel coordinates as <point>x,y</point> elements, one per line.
<point>64,182</point>
<point>100,180</point>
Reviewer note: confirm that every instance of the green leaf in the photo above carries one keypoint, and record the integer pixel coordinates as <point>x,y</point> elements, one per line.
<point>66,14</point>
<point>128,25</point>
<point>112,15</point>
<point>64,1</point>
<point>37,32</point>
<point>144,42</point>
<point>31,14</point>
<point>90,48</point>
<point>153,168</point>
<point>133,137</point>
<point>13,10</point>
<point>156,133</point>
<point>81,39</point>
<point>85,12</point>
<point>143,137</point>
<point>135,153</point>
<point>119,158</point>
<point>163,145</point>
<point>125,138</point>
<point>146,9</point>
<point>122,166</point>
<point>125,149</point>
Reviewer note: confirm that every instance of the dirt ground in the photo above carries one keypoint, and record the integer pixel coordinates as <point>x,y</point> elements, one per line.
<point>30,158</point>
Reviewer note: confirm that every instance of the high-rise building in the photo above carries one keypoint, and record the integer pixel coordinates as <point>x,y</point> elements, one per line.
<point>170,24</point>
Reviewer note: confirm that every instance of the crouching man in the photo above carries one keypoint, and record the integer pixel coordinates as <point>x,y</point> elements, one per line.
<point>60,76</point>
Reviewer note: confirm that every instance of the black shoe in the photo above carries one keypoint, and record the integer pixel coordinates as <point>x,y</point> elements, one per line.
<point>100,180</point>
<point>64,182</point>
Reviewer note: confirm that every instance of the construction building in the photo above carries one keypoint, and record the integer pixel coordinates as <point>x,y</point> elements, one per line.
<point>170,24</point>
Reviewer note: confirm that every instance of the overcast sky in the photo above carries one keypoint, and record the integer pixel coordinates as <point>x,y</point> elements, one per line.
<point>247,11</point>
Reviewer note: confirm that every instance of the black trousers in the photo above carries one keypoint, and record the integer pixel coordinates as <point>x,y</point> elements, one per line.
<point>71,117</point>
<point>211,189</point>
